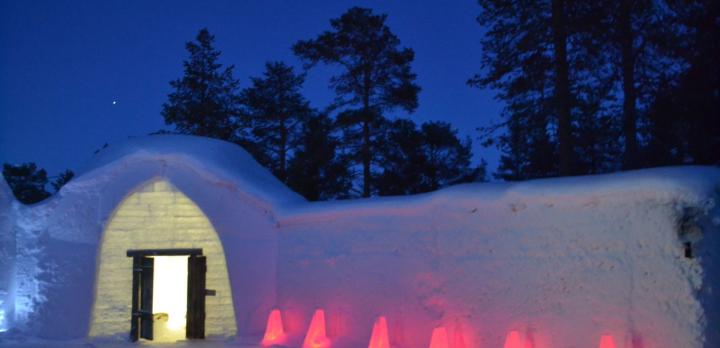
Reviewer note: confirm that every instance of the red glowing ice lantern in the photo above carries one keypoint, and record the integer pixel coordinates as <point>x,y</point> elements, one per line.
<point>606,341</point>
<point>274,332</point>
<point>379,337</point>
<point>316,336</point>
<point>459,341</point>
<point>439,338</point>
<point>515,340</point>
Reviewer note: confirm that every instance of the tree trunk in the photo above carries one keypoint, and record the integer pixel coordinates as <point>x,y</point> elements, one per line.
<point>366,133</point>
<point>366,152</point>
<point>630,156</point>
<point>282,173</point>
<point>562,88</point>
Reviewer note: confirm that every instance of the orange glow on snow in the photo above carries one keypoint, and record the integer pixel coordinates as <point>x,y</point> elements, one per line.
<point>379,337</point>
<point>274,332</point>
<point>316,337</point>
<point>606,341</point>
<point>514,340</point>
<point>439,338</point>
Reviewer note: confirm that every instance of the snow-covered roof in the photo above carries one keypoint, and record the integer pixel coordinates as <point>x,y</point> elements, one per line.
<point>211,158</point>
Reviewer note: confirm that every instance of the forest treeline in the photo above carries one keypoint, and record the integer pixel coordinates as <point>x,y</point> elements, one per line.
<point>587,87</point>
<point>601,86</point>
<point>350,148</point>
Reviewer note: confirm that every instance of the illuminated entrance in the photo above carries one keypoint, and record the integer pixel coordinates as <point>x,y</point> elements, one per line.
<point>159,217</point>
<point>168,294</point>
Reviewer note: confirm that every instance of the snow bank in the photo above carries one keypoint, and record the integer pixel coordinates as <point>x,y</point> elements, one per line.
<point>561,261</point>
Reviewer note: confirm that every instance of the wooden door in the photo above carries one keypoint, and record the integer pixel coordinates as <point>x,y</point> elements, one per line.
<point>142,319</point>
<point>197,267</point>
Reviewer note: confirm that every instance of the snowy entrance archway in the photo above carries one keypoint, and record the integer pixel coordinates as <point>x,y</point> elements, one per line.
<point>157,216</point>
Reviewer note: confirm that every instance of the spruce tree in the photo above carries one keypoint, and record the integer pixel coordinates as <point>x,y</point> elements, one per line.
<point>275,111</point>
<point>27,182</point>
<point>402,159</point>
<point>62,179</point>
<point>425,159</point>
<point>447,157</point>
<point>204,101</point>
<point>318,170</point>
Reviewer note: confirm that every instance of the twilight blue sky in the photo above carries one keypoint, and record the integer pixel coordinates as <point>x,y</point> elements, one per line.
<point>63,63</point>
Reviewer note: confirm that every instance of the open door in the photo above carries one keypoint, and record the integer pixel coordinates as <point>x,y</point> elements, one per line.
<point>197,267</point>
<point>142,317</point>
<point>142,292</point>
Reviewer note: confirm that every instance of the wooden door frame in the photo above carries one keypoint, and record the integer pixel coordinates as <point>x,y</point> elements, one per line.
<point>138,255</point>
<point>164,252</point>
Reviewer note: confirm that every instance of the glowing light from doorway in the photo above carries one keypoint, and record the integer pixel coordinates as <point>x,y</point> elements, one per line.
<point>316,336</point>
<point>274,331</point>
<point>379,337</point>
<point>170,289</point>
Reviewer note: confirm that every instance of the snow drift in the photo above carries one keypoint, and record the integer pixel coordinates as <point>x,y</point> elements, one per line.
<point>561,262</point>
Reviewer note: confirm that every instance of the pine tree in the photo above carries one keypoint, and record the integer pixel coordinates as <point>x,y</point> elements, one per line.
<point>204,100</point>
<point>633,37</point>
<point>519,63</point>
<point>545,60</point>
<point>318,170</point>
<point>62,179</point>
<point>426,159</point>
<point>402,159</point>
<point>276,110</point>
<point>27,182</point>
<point>563,99</point>
<point>683,121</point>
<point>376,75</point>
<point>447,157</point>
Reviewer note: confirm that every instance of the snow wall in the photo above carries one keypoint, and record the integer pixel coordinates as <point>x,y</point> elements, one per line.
<point>7,254</point>
<point>561,261</point>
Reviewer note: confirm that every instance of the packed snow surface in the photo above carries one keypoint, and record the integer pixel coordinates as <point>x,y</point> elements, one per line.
<point>560,261</point>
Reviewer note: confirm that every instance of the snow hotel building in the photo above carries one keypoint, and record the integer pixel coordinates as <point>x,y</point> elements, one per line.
<point>169,238</point>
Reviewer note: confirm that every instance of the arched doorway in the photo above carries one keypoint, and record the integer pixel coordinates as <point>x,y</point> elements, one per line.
<point>159,223</point>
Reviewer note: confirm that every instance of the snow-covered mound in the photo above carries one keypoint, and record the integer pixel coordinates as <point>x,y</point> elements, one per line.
<point>561,262</point>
